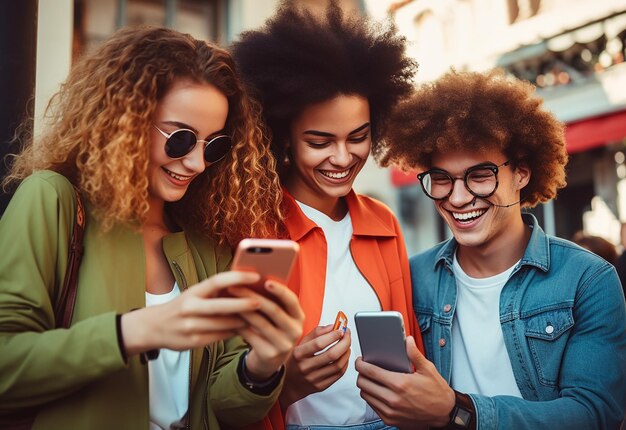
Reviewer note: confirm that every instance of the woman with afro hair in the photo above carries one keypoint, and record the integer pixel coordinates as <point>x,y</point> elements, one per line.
<point>155,133</point>
<point>326,85</point>
<point>525,330</point>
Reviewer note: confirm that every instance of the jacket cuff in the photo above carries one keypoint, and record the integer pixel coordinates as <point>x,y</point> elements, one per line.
<point>262,388</point>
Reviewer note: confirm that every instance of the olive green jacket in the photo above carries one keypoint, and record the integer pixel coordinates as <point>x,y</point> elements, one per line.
<point>77,378</point>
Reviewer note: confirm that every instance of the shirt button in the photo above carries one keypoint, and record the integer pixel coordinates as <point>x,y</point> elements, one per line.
<point>447,308</point>
<point>442,342</point>
<point>549,329</point>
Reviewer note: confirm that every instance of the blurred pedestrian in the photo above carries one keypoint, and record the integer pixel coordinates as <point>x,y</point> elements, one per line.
<point>596,244</point>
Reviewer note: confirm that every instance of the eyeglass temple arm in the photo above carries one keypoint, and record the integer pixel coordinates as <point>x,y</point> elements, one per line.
<point>164,134</point>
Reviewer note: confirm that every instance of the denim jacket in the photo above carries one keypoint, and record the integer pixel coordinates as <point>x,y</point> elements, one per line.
<point>563,320</point>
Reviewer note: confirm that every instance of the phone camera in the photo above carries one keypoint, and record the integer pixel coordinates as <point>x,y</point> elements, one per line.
<point>259,250</point>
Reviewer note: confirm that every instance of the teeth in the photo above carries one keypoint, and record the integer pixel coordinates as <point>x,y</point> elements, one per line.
<point>335,175</point>
<point>468,215</point>
<point>175,176</point>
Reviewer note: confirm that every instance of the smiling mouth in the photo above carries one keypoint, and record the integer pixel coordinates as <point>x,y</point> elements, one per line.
<point>177,176</point>
<point>336,175</point>
<point>467,217</point>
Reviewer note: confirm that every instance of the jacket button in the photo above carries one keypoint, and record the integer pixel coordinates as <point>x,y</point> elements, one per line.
<point>549,329</point>
<point>447,308</point>
<point>442,342</point>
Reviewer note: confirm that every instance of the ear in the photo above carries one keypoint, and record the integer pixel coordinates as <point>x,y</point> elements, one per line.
<point>522,175</point>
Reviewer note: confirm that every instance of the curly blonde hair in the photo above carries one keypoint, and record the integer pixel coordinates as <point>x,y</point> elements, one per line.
<point>479,111</point>
<point>100,128</point>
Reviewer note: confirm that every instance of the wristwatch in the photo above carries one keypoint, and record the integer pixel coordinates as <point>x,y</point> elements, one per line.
<point>463,415</point>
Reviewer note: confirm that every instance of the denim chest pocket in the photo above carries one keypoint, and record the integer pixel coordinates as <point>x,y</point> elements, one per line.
<point>547,334</point>
<point>425,320</point>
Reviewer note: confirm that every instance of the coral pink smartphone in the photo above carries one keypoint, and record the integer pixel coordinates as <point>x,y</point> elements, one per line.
<point>271,258</point>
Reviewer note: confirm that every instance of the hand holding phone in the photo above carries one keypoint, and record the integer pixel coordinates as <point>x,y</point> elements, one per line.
<point>382,340</point>
<point>271,258</point>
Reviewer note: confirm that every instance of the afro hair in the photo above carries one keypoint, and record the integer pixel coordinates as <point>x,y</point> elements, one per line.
<point>479,111</point>
<point>297,59</point>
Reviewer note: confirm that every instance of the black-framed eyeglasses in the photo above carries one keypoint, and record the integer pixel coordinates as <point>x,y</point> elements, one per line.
<point>480,180</point>
<point>182,141</point>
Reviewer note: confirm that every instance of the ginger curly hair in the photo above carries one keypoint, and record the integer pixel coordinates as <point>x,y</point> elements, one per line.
<point>100,123</point>
<point>478,111</point>
<point>298,59</point>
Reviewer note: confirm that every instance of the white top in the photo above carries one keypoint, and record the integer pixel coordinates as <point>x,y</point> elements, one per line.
<point>169,377</point>
<point>345,290</point>
<point>480,361</point>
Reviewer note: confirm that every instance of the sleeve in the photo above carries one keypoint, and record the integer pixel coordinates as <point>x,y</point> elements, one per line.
<point>414,329</point>
<point>592,388</point>
<point>37,362</point>
<point>233,403</point>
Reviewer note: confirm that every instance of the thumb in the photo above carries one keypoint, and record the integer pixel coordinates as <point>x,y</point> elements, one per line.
<point>417,358</point>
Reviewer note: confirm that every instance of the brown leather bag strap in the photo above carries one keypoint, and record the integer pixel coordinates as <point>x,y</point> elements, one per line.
<point>64,307</point>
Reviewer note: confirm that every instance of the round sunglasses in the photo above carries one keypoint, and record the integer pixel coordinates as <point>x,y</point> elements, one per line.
<point>182,141</point>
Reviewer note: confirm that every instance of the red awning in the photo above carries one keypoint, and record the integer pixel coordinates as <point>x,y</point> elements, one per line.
<point>580,136</point>
<point>401,179</point>
<point>594,132</point>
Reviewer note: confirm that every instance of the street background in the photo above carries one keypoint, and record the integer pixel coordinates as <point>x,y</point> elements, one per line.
<point>572,50</point>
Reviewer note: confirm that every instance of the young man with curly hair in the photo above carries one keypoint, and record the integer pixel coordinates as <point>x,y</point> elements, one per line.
<point>327,85</point>
<point>527,331</point>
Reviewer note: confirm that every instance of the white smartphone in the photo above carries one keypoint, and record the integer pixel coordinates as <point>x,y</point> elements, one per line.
<point>271,258</point>
<point>383,340</point>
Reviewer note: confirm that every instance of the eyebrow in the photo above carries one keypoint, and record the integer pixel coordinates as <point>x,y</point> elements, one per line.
<point>483,163</point>
<point>326,134</point>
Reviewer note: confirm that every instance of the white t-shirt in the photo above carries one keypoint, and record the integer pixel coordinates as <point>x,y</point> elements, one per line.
<point>169,377</point>
<point>346,290</point>
<point>480,361</point>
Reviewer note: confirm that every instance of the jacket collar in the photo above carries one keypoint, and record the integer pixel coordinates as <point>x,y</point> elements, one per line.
<point>364,220</point>
<point>537,252</point>
<point>177,251</point>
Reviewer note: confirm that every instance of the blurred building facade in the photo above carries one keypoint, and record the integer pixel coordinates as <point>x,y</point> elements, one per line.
<point>573,51</point>
<point>53,33</point>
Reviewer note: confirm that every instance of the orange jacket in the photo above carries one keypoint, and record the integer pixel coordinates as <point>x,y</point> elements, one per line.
<point>378,250</point>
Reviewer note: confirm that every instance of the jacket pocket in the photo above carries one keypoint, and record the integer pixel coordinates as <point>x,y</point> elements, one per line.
<point>547,333</point>
<point>425,320</point>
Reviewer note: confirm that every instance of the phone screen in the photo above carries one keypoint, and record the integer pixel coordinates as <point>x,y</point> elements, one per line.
<point>382,340</point>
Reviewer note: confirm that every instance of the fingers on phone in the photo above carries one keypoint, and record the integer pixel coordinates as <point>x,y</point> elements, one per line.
<point>319,345</point>
<point>191,306</point>
<point>222,280</point>
<point>287,298</point>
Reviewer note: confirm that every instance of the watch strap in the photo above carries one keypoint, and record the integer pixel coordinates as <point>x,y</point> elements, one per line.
<point>463,415</point>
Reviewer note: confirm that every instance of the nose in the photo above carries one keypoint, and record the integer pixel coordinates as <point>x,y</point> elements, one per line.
<point>460,195</point>
<point>341,155</point>
<point>194,161</point>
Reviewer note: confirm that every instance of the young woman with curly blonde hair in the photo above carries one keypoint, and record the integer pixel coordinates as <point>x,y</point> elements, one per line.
<point>157,135</point>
